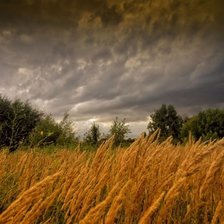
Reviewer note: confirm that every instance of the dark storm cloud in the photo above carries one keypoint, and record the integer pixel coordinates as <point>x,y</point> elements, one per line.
<point>112,58</point>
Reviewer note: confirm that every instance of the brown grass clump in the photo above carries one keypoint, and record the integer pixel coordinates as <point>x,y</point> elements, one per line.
<point>148,182</point>
<point>146,218</point>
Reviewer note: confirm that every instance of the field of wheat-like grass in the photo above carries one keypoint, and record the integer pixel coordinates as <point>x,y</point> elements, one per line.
<point>149,182</point>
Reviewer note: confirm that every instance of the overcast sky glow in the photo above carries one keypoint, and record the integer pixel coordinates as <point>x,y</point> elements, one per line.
<point>99,59</point>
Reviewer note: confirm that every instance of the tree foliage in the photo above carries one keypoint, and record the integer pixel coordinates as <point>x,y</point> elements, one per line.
<point>45,133</point>
<point>168,121</point>
<point>17,120</point>
<point>119,129</point>
<point>48,132</point>
<point>207,124</point>
<point>68,136</point>
<point>92,136</point>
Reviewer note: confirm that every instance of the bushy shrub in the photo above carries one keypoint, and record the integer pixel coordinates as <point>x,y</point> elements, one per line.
<point>17,120</point>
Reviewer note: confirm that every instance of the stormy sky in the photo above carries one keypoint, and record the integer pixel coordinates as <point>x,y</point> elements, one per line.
<point>99,59</point>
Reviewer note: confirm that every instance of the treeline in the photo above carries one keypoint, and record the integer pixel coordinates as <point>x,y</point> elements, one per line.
<point>207,125</point>
<point>23,125</point>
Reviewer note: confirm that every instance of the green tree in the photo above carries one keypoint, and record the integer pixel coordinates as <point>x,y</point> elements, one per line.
<point>5,111</point>
<point>119,129</point>
<point>207,125</point>
<point>48,132</point>
<point>17,120</point>
<point>67,137</point>
<point>168,121</point>
<point>92,136</point>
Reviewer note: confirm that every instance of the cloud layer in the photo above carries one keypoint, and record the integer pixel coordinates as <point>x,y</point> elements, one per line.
<point>102,59</point>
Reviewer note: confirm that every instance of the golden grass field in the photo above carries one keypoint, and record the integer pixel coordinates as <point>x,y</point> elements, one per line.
<point>148,182</point>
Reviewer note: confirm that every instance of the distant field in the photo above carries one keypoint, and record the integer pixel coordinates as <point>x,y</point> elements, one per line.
<point>146,183</point>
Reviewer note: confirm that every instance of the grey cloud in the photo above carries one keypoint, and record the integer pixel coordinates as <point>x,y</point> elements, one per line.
<point>111,16</point>
<point>107,58</point>
<point>103,54</point>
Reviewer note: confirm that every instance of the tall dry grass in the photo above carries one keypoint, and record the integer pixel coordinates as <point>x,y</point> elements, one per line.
<point>149,182</point>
